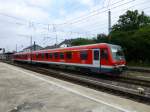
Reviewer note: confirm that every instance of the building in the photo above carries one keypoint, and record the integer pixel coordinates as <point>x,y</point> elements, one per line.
<point>33,48</point>
<point>65,43</point>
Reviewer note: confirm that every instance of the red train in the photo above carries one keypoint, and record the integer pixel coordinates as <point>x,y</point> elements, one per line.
<point>99,58</point>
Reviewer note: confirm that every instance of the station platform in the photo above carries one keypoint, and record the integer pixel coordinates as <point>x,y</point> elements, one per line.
<point>26,91</point>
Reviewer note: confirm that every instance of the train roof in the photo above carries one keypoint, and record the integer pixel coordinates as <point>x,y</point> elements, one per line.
<point>74,48</point>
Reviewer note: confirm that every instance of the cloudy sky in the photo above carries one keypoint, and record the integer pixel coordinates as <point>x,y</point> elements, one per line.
<point>45,20</point>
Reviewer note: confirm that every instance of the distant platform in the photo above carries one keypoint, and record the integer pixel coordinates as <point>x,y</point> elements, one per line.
<point>26,91</point>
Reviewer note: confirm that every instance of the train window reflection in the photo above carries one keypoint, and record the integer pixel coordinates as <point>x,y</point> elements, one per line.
<point>83,55</point>
<point>96,54</point>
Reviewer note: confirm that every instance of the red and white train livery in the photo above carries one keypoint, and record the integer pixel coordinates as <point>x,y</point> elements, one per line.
<point>99,58</point>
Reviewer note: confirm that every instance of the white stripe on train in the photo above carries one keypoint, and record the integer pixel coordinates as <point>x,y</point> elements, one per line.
<point>75,64</point>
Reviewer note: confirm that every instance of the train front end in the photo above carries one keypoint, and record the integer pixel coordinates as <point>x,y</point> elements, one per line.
<point>118,59</point>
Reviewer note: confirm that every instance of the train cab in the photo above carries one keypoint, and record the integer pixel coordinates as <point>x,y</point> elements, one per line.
<point>118,58</point>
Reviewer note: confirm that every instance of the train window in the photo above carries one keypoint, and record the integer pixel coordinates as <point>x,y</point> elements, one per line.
<point>68,55</point>
<point>39,55</point>
<point>83,55</point>
<point>61,55</point>
<point>46,55</point>
<point>32,55</point>
<point>104,54</point>
<point>36,56</point>
<point>42,55</point>
<point>96,55</point>
<point>56,55</point>
<point>50,55</point>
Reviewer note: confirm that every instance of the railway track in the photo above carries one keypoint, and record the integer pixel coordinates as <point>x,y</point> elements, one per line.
<point>139,69</point>
<point>135,81</point>
<point>138,90</point>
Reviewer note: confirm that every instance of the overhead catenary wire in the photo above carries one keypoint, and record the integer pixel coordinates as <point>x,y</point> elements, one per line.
<point>97,12</point>
<point>122,10</point>
<point>98,28</point>
<point>91,30</point>
<point>48,27</point>
<point>94,11</point>
<point>113,11</point>
<point>78,20</point>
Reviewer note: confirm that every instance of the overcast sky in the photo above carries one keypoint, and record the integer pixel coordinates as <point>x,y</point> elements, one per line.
<point>46,19</point>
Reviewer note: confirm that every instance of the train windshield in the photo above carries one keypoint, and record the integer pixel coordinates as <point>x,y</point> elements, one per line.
<point>117,52</point>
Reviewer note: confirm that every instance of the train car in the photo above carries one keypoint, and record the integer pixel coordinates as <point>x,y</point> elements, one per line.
<point>98,58</point>
<point>6,56</point>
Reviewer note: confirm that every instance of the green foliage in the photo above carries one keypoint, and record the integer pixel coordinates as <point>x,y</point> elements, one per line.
<point>142,43</point>
<point>101,38</point>
<point>136,44</point>
<point>82,41</point>
<point>132,20</point>
<point>133,33</point>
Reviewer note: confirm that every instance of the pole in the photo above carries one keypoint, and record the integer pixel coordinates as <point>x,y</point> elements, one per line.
<point>34,46</point>
<point>31,48</point>
<point>109,22</point>
<point>31,43</point>
<point>109,26</point>
<point>54,30</point>
<point>16,47</point>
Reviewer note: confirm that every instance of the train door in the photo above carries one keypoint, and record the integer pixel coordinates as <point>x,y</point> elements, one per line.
<point>96,57</point>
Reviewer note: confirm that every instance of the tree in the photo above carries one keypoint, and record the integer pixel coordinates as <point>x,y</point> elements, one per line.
<point>82,41</point>
<point>142,44</point>
<point>101,38</point>
<point>132,32</point>
<point>131,20</point>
